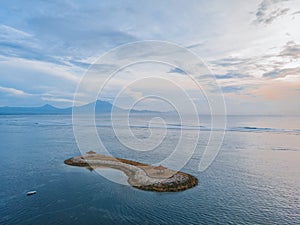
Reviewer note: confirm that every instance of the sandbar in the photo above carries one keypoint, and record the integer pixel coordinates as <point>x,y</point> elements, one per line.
<point>142,176</point>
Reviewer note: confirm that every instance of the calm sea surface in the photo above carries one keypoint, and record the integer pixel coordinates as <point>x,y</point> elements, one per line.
<point>255,178</point>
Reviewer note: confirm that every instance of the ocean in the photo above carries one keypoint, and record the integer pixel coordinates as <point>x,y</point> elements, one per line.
<point>253,180</point>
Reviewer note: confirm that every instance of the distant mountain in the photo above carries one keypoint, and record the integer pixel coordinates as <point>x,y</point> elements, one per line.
<point>101,107</point>
<point>46,109</point>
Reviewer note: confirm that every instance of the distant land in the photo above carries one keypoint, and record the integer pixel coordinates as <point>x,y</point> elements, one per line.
<point>101,107</point>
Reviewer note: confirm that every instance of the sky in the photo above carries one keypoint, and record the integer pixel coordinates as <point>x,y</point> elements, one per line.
<point>251,48</point>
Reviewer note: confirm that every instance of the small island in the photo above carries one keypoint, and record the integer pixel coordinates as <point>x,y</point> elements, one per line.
<point>142,176</point>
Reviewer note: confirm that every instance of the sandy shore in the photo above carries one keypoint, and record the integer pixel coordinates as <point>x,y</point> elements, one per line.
<point>142,176</point>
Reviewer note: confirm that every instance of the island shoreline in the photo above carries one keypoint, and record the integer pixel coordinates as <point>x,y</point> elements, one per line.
<point>140,175</point>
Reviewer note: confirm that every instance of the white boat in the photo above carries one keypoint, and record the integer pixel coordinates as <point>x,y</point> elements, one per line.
<point>31,192</point>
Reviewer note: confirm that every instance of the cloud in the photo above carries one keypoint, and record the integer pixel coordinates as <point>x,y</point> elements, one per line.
<point>65,37</point>
<point>277,62</point>
<point>268,11</point>
<point>17,43</point>
<point>13,91</point>
<point>291,49</point>
<point>65,22</point>
<point>55,99</point>
<point>275,14</point>
<point>297,12</point>
<point>232,76</point>
<point>46,47</point>
<point>8,32</point>
<point>195,45</point>
<point>51,69</point>
<point>36,78</point>
<point>282,73</point>
<point>231,61</point>
<point>177,70</point>
<point>232,89</point>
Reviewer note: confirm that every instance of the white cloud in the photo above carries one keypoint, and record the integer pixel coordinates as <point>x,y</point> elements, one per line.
<point>54,99</point>
<point>61,72</point>
<point>8,32</point>
<point>13,91</point>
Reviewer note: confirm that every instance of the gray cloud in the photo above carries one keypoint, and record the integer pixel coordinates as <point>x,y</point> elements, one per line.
<point>274,68</point>
<point>282,72</point>
<point>177,70</point>
<point>195,45</point>
<point>297,12</point>
<point>231,76</point>
<point>232,61</point>
<point>230,89</point>
<point>60,32</point>
<point>291,49</point>
<point>268,11</point>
